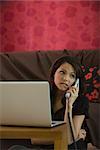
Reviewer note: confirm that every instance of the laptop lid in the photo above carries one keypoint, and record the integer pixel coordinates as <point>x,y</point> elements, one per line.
<point>25,103</point>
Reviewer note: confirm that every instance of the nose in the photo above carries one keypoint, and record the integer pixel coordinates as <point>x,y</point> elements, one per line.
<point>66,78</point>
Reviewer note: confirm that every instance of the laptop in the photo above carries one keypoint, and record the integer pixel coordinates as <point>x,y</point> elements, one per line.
<point>26,103</point>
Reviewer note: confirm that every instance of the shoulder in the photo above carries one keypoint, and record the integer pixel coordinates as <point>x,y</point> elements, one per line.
<point>81,106</point>
<point>81,100</point>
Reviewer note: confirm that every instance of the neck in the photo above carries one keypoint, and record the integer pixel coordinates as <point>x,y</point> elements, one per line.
<point>60,94</point>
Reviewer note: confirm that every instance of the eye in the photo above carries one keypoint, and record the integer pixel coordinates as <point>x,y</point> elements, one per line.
<point>62,72</point>
<point>73,76</point>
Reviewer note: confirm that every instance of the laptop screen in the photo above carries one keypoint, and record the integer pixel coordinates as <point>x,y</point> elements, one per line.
<point>25,103</point>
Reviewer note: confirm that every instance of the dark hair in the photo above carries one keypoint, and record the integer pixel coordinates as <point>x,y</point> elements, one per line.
<point>77,67</point>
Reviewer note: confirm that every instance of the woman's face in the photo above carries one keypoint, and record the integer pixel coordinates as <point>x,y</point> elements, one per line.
<point>64,76</point>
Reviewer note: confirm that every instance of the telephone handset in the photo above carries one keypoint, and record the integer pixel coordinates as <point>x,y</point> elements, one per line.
<point>67,95</point>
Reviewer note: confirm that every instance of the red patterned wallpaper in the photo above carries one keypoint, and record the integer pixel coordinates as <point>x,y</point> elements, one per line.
<point>49,25</point>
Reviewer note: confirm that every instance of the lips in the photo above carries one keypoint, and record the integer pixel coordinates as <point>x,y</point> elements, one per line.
<point>64,84</point>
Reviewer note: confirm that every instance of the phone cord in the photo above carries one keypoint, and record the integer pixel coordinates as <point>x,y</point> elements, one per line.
<point>75,145</point>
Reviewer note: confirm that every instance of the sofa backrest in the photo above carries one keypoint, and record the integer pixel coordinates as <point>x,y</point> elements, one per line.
<point>35,66</point>
<point>18,61</point>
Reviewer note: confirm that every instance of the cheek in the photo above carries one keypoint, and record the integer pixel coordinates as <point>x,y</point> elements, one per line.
<point>72,82</point>
<point>57,78</point>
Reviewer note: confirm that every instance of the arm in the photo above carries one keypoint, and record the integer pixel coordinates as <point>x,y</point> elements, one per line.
<point>77,120</point>
<point>76,123</point>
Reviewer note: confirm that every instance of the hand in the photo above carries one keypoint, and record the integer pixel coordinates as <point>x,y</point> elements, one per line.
<point>82,134</point>
<point>74,94</point>
<point>91,147</point>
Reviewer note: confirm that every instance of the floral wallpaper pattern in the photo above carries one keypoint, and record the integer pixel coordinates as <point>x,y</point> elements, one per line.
<point>92,78</point>
<point>49,25</point>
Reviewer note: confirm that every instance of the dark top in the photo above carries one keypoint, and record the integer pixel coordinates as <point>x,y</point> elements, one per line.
<point>80,107</point>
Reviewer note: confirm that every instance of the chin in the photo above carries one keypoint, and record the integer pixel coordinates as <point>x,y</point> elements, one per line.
<point>62,89</point>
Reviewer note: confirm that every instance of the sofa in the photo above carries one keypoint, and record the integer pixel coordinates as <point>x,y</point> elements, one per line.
<point>35,65</point>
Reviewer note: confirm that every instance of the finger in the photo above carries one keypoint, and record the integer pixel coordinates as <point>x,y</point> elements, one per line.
<point>74,92</point>
<point>83,130</point>
<point>82,136</point>
<point>75,88</point>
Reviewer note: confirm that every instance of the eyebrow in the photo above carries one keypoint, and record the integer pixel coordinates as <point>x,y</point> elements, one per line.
<point>70,72</point>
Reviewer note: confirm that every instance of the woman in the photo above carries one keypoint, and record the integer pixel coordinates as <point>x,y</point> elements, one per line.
<point>63,75</point>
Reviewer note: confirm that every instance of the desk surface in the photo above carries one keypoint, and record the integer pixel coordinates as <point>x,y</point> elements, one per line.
<point>8,131</point>
<point>58,134</point>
